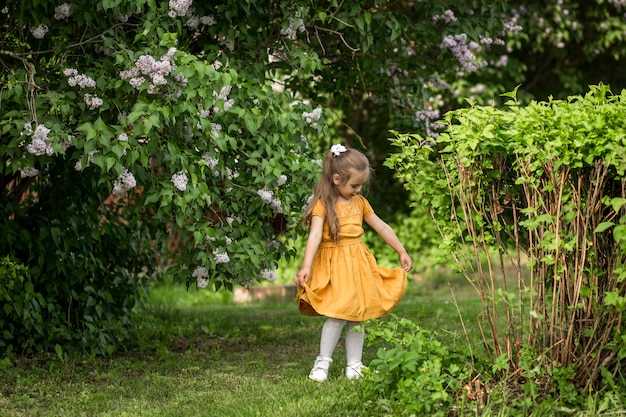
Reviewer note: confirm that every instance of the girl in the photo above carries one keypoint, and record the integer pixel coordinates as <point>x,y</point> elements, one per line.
<point>339,277</point>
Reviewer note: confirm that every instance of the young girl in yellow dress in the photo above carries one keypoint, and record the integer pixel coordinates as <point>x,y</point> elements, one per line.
<point>339,277</point>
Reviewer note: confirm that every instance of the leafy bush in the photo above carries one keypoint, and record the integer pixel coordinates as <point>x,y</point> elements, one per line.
<point>20,306</point>
<point>86,260</point>
<point>413,373</point>
<point>547,180</point>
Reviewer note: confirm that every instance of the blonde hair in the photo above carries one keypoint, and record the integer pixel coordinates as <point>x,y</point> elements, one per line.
<point>345,164</point>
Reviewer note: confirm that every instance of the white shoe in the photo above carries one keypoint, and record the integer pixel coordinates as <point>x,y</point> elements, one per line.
<point>319,372</point>
<point>355,371</point>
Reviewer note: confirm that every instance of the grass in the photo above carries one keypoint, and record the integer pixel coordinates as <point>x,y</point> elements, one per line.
<point>198,354</point>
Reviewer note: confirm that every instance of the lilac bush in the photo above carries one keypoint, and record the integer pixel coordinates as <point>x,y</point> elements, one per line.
<point>187,139</point>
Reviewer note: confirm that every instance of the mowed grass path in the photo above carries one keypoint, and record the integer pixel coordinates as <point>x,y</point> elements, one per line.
<point>196,355</point>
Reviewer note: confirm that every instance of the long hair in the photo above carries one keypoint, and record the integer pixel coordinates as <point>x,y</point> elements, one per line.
<point>345,164</point>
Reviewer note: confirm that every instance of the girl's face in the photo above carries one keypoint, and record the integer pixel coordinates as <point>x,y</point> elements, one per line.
<point>352,186</point>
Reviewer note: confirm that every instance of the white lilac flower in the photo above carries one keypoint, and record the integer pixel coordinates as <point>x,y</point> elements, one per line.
<point>169,55</point>
<point>179,7</point>
<point>124,17</point>
<point>266,195</point>
<point>231,174</point>
<point>40,144</point>
<point>273,244</point>
<point>79,164</point>
<point>180,78</point>
<point>38,147</point>
<point>215,130</point>
<point>282,180</point>
<point>207,20</point>
<point>193,21</point>
<point>227,105</point>
<point>277,205</point>
<point>447,16</point>
<point>200,272</point>
<point>269,275</point>
<point>80,80</point>
<point>312,117</point>
<point>123,183</point>
<point>221,257</point>
<point>210,160</point>
<point>228,241</point>
<point>148,69</point>
<point>223,94</point>
<point>225,42</point>
<point>67,143</point>
<point>502,61</point>
<point>92,101</point>
<point>295,25</point>
<point>63,11</point>
<point>137,82</point>
<point>41,132</point>
<point>29,172</point>
<point>423,115</point>
<point>130,73</point>
<point>180,180</point>
<point>40,31</point>
<point>462,51</point>
<point>123,137</point>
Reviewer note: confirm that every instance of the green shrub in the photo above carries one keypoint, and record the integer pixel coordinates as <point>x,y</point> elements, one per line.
<point>85,261</point>
<point>539,191</point>
<point>21,311</point>
<point>413,373</point>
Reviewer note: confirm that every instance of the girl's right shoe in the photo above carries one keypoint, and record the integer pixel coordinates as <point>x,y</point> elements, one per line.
<point>319,372</point>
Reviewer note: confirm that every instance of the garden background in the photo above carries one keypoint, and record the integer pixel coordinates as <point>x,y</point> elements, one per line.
<point>157,155</point>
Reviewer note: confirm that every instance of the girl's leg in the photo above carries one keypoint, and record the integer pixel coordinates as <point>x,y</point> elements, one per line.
<point>331,331</point>
<point>354,349</point>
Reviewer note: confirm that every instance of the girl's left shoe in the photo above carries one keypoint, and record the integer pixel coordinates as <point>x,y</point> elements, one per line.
<point>355,370</point>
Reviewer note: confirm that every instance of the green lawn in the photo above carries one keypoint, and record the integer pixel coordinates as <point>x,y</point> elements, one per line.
<point>199,354</point>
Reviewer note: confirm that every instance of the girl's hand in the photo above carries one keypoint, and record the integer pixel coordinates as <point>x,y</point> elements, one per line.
<point>406,262</point>
<point>302,276</point>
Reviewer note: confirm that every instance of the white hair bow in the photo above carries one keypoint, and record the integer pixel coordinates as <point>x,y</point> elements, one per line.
<point>338,149</point>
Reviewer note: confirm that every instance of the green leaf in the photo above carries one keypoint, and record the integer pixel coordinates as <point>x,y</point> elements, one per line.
<point>603,226</point>
<point>619,233</point>
<point>250,122</point>
<point>617,203</point>
<point>59,351</point>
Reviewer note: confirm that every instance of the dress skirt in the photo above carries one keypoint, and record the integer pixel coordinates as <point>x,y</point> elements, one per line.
<point>346,283</point>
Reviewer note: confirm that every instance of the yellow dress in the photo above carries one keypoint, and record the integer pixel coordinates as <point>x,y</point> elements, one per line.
<point>345,281</point>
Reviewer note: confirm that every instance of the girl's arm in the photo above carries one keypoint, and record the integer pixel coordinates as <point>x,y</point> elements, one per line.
<point>386,232</point>
<point>312,243</point>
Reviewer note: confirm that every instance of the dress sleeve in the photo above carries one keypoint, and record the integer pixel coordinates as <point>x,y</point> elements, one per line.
<point>319,210</point>
<point>367,208</point>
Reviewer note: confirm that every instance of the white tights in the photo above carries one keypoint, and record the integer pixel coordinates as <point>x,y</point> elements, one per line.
<point>331,331</point>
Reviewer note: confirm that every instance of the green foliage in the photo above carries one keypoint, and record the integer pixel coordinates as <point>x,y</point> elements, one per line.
<point>87,267</point>
<point>538,191</point>
<point>195,125</point>
<point>413,372</point>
